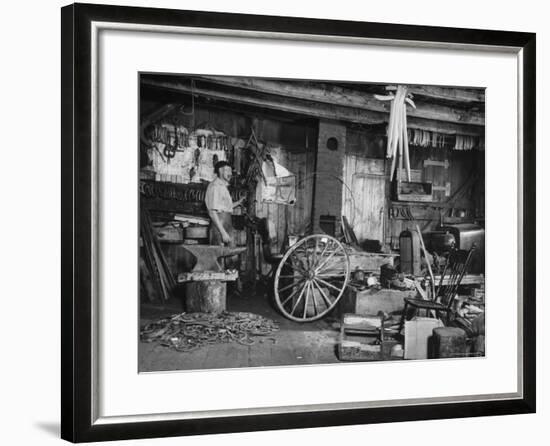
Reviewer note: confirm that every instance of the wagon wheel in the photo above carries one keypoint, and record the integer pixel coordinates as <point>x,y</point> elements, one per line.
<point>311,278</point>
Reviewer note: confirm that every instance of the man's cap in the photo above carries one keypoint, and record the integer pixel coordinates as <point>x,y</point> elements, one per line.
<point>220,164</point>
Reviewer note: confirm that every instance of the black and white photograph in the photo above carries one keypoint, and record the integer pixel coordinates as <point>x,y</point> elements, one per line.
<point>286,222</point>
<point>269,223</point>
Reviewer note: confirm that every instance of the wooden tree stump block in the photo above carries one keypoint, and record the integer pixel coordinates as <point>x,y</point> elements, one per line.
<point>207,296</point>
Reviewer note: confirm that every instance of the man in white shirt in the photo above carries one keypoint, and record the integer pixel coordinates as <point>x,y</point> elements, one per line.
<point>220,205</point>
<point>220,208</point>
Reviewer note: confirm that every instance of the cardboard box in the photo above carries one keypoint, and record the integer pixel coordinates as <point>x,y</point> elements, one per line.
<point>418,332</point>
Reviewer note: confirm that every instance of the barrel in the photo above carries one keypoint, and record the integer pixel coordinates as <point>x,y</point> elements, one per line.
<point>449,342</point>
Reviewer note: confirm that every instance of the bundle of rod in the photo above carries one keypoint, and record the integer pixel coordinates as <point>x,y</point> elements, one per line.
<point>156,262</point>
<point>189,331</point>
<point>465,142</point>
<point>160,134</point>
<point>398,141</point>
<point>425,138</point>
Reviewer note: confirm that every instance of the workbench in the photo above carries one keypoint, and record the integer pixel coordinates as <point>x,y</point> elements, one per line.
<point>372,300</point>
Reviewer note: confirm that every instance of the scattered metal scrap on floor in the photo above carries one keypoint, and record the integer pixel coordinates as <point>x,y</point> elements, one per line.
<point>189,331</point>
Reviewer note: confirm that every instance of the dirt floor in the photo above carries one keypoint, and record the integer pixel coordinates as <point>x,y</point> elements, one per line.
<point>293,344</point>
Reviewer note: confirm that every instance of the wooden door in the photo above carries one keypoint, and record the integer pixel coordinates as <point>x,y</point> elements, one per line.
<point>364,201</point>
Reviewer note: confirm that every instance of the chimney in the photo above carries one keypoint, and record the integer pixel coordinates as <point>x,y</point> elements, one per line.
<point>327,198</point>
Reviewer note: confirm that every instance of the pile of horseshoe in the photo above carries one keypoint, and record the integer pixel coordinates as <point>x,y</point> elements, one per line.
<point>190,331</point>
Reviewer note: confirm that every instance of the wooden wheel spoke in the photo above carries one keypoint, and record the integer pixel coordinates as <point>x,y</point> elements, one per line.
<point>300,271</point>
<point>331,249</point>
<point>308,287</point>
<point>315,252</point>
<point>314,300</point>
<point>308,261</point>
<point>299,255</point>
<point>324,282</point>
<point>331,275</point>
<point>298,264</point>
<point>331,255</point>
<point>322,254</point>
<point>325,297</point>
<point>298,300</point>
<point>313,273</point>
<point>290,296</point>
<point>291,285</point>
<point>332,264</point>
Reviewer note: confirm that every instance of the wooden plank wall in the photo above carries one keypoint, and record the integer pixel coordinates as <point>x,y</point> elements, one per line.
<point>363,195</point>
<point>296,219</point>
<point>303,166</point>
<point>296,141</point>
<point>365,144</point>
<point>462,165</point>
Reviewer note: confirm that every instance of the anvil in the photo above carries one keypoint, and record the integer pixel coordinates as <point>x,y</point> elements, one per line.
<point>207,256</point>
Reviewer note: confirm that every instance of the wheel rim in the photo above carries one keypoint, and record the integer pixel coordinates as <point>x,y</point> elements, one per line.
<point>311,278</point>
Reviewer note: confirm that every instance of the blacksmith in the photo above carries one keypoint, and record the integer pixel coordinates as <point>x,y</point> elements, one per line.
<point>220,206</point>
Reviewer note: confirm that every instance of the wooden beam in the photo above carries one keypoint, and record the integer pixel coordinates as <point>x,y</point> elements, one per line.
<point>348,97</point>
<point>157,114</point>
<point>449,93</point>
<point>316,109</point>
<point>447,128</point>
<point>292,105</point>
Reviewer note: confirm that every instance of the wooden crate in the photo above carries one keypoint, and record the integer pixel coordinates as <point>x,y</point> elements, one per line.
<point>362,339</point>
<point>413,191</point>
<point>371,301</point>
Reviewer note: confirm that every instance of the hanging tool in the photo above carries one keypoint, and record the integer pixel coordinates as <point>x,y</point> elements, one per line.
<point>170,150</point>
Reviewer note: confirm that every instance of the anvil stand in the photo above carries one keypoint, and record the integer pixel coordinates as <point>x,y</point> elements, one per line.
<point>206,283</point>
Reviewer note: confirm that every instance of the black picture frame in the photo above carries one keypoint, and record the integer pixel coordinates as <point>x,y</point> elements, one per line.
<point>77,226</point>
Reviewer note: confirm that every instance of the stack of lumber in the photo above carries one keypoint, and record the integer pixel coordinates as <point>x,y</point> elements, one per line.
<point>154,259</point>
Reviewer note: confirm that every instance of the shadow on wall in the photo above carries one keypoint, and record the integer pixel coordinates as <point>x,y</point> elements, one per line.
<point>50,427</point>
